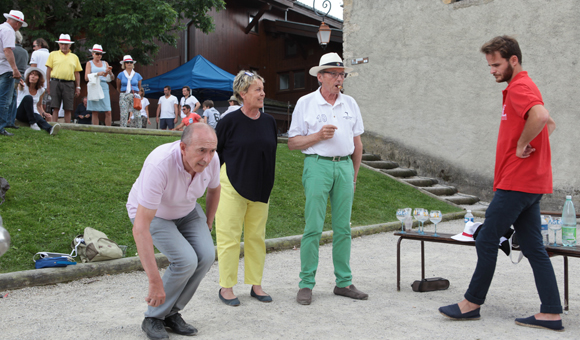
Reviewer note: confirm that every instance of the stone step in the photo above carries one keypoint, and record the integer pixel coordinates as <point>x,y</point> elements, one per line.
<point>400,172</point>
<point>421,181</point>
<point>441,190</point>
<point>382,164</point>
<point>370,157</point>
<point>462,199</point>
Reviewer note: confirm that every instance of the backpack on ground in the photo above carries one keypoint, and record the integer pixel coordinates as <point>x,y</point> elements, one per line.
<point>94,246</point>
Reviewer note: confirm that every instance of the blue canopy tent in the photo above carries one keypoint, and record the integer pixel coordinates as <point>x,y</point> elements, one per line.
<point>206,80</point>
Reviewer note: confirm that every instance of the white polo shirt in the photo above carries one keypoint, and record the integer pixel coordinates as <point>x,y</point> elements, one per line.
<point>7,40</point>
<point>191,101</point>
<point>39,57</point>
<point>312,112</point>
<point>167,106</point>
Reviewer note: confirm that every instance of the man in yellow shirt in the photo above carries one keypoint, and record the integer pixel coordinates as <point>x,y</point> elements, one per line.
<point>63,69</point>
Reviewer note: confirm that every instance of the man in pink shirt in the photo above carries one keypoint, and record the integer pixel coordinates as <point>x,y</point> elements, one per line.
<point>162,206</point>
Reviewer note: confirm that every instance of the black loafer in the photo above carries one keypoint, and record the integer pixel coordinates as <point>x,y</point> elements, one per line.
<point>13,127</point>
<point>154,329</point>
<point>454,312</point>
<point>261,298</point>
<point>553,325</point>
<point>5,133</point>
<point>230,302</point>
<point>178,325</point>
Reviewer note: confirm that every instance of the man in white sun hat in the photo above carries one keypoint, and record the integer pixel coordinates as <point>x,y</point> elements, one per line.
<point>9,73</point>
<point>326,126</point>
<point>64,81</point>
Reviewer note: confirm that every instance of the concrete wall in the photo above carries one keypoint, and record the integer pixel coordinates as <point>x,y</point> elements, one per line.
<point>428,99</point>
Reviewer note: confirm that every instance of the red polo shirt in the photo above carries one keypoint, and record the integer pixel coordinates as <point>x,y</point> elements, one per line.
<point>532,174</point>
<point>192,118</point>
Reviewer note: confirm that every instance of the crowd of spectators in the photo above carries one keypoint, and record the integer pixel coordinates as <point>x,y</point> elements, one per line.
<point>59,73</point>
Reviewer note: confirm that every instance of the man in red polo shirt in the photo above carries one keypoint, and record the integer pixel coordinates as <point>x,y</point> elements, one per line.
<point>523,173</point>
<point>190,118</point>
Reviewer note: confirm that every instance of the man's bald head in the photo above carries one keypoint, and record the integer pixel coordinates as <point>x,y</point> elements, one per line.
<point>194,129</point>
<point>198,146</point>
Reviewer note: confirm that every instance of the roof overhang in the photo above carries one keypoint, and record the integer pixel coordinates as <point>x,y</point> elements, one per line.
<point>299,29</point>
<point>292,5</point>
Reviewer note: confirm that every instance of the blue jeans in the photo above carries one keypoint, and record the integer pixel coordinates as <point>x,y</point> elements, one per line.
<point>12,109</point>
<point>522,210</point>
<point>6,97</point>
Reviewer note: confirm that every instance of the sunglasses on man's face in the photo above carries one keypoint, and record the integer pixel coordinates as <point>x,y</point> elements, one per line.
<point>98,53</point>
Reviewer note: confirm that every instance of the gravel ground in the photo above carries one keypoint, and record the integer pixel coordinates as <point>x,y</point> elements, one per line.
<point>111,307</point>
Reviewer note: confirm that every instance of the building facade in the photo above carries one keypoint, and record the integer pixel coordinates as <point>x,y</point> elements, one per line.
<point>428,99</point>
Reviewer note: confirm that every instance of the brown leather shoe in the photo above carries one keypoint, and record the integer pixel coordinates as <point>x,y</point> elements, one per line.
<point>351,292</point>
<point>304,296</point>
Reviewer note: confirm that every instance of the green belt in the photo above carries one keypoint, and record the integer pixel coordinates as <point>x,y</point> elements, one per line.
<point>333,159</point>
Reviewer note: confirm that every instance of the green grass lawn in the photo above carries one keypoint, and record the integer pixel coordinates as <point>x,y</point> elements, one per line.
<point>60,185</point>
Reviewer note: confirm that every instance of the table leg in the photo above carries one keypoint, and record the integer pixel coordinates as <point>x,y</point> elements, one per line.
<point>422,260</point>
<point>399,264</point>
<point>565,283</point>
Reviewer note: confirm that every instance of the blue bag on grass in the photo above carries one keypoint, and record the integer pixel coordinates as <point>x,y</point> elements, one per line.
<point>50,262</point>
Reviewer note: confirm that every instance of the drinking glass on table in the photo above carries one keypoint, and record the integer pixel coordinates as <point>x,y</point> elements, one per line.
<point>421,216</point>
<point>409,213</point>
<point>401,214</point>
<point>555,224</point>
<point>435,216</point>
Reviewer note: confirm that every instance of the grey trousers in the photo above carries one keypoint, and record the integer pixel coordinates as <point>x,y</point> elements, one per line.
<point>188,245</point>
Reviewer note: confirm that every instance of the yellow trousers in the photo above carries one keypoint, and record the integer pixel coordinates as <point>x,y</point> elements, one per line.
<point>235,214</point>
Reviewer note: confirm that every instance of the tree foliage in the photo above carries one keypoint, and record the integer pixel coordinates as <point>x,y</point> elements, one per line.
<point>121,26</point>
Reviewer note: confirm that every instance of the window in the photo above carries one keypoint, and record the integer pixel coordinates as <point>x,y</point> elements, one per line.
<point>299,80</point>
<point>293,80</point>
<point>284,83</point>
<point>291,48</point>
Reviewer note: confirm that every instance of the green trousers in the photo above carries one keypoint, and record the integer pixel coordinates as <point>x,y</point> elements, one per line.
<point>323,178</point>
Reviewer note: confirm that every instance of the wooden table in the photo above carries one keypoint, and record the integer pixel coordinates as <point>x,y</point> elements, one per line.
<point>446,238</point>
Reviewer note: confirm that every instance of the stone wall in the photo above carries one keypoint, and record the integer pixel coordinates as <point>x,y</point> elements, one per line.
<point>428,99</point>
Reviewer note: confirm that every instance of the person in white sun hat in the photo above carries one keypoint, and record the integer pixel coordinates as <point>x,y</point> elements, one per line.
<point>128,85</point>
<point>105,74</point>
<point>29,102</point>
<point>326,126</point>
<point>9,73</point>
<point>63,71</point>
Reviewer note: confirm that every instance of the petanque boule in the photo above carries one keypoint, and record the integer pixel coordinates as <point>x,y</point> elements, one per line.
<point>4,239</point>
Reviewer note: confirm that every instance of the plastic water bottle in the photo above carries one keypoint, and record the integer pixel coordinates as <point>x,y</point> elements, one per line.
<point>568,223</point>
<point>468,217</point>
<point>545,231</point>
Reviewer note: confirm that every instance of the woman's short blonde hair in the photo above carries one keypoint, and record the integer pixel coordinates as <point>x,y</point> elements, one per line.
<point>243,81</point>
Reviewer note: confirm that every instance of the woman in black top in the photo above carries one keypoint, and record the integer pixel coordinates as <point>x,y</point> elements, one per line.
<point>247,150</point>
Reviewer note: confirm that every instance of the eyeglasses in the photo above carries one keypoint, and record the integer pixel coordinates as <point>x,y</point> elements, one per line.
<point>96,53</point>
<point>336,74</point>
<point>34,45</point>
